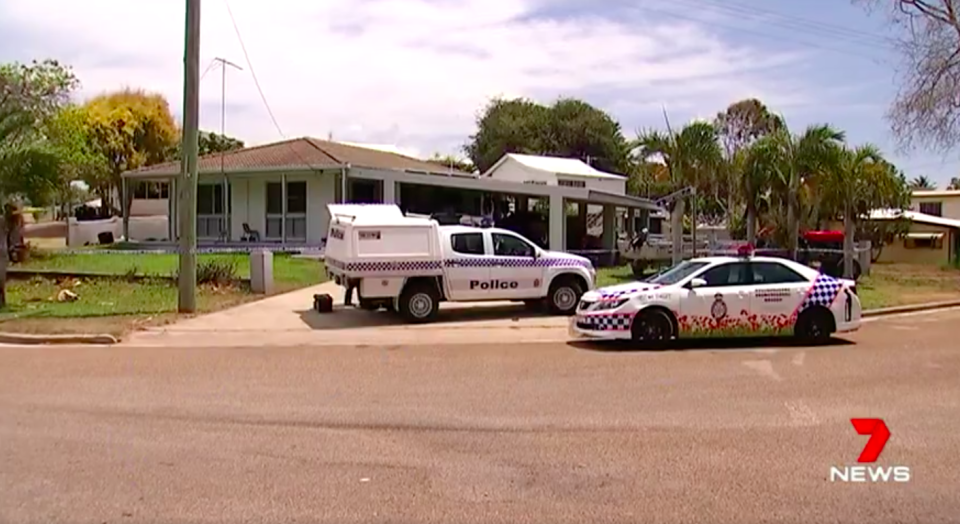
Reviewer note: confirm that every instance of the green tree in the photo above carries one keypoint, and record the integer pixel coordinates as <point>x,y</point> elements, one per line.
<point>569,128</point>
<point>922,183</point>
<point>30,163</point>
<point>739,126</point>
<point>691,155</point>
<point>131,129</point>
<point>210,142</point>
<point>453,162</point>
<point>954,184</point>
<point>796,162</point>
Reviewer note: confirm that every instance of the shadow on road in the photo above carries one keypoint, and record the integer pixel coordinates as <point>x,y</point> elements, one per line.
<point>350,318</point>
<point>704,344</point>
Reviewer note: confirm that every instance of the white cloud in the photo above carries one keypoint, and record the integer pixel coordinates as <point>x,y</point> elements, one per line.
<point>413,73</point>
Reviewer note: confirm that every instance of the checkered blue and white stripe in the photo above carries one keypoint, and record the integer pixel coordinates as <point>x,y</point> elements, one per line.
<point>611,322</point>
<point>823,293</point>
<point>432,265</point>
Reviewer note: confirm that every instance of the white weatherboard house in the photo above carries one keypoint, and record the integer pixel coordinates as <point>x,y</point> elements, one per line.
<point>277,194</point>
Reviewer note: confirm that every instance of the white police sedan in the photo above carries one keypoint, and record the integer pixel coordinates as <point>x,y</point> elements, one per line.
<point>722,297</point>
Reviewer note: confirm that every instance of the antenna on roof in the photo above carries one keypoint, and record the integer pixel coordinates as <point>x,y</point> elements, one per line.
<point>330,136</point>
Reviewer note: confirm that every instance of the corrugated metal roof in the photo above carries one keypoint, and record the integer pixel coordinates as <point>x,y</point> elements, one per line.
<point>561,166</point>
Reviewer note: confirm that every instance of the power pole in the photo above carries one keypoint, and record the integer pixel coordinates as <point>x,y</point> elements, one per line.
<point>223,133</point>
<point>187,195</point>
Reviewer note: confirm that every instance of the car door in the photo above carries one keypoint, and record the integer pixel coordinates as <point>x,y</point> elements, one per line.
<point>515,272</point>
<point>468,270</point>
<point>777,292</point>
<point>721,307</point>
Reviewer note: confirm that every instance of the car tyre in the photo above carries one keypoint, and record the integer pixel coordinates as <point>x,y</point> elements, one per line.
<point>564,296</point>
<point>813,326</point>
<point>653,328</point>
<point>420,303</point>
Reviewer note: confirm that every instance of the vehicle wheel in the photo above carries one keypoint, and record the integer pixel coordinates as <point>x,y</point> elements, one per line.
<point>564,296</point>
<point>813,326</point>
<point>652,327</point>
<point>419,303</point>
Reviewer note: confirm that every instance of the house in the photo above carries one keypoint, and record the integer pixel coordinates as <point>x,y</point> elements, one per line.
<point>938,203</point>
<point>931,239</point>
<point>277,193</point>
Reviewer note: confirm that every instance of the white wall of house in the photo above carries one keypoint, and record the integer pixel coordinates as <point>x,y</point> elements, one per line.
<point>141,207</point>
<point>947,202</point>
<point>610,185</point>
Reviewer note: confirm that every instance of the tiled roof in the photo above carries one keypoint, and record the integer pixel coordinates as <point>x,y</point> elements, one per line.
<point>301,153</point>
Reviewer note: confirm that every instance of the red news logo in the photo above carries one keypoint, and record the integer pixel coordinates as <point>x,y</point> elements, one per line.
<point>879,435</point>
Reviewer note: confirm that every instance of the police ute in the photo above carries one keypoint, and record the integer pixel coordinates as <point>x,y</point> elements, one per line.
<point>410,265</point>
<point>740,296</point>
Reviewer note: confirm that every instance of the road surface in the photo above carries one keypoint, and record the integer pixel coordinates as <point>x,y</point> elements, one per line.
<point>528,433</point>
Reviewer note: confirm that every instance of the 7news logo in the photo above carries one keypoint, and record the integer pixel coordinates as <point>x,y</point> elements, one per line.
<point>879,435</point>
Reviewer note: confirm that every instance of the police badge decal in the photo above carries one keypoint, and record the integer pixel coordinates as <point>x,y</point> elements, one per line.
<point>719,308</point>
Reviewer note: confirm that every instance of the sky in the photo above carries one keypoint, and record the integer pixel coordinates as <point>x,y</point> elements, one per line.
<point>415,73</point>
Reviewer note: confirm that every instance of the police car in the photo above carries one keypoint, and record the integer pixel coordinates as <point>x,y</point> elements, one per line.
<point>709,297</point>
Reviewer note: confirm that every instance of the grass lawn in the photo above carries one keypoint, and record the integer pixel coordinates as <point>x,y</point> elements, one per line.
<point>887,285</point>
<point>117,306</point>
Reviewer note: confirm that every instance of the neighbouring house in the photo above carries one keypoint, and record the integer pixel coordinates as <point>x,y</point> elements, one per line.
<point>938,203</point>
<point>930,240</point>
<point>276,194</point>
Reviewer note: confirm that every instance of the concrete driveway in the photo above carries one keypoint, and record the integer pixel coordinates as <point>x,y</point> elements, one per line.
<point>481,433</point>
<point>289,320</point>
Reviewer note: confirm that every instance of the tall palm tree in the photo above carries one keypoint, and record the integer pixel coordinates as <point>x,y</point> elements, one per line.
<point>846,190</point>
<point>793,160</point>
<point>692,156</point>
<point>922,183</point>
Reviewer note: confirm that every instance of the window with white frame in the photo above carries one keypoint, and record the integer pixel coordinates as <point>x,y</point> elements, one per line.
<point>211,219</point>
<point>286,220</point>
<point>148,190</point>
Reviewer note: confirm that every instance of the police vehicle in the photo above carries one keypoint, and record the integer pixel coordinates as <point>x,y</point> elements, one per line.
<point>412,264</point>
<point>709,297</point>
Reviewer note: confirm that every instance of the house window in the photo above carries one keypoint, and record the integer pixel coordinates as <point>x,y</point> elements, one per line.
<point>572,183</point>
<point>286,220</point>
<point>923,241</point>
<point>146,190</point>
<point>932,208</point>
<point>210,209</point>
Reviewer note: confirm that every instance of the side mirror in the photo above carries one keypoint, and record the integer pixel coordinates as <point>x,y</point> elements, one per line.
<point>697,282</point>
<point>536,254</point>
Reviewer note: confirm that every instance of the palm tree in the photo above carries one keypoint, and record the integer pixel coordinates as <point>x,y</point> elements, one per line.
<point>794,160</point>
<point>692,156</point>
<point>845,189</point>
<point>922,183</point>
<point>954,184</point>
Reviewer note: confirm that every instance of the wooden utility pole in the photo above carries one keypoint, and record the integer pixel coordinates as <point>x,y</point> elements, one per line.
<point>187,194</point>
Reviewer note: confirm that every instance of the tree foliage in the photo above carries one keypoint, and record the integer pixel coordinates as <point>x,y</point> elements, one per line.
<point>209,142</point>
<point>922,183</point>
<point>927,107</point>
<point>131,129</point>
<point>569,128</point>
<point>453,162</point>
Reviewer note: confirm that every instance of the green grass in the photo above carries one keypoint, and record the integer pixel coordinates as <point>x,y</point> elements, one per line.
<point>289,272</point>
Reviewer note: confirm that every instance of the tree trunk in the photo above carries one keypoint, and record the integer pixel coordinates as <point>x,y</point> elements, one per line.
<point>793,223</point>
<point>848,240</point>
<point>751,225</point>
<point>4,260</point>
<point>676,231</point>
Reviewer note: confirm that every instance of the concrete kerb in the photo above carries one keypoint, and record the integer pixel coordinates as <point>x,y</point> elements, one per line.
<point>401,336</point>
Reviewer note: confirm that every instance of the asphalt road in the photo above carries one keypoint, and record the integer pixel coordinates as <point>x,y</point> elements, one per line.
<point>533,433</point>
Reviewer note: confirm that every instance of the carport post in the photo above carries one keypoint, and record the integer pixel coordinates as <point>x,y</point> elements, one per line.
<point>557,219</point>
<point>609,231</point>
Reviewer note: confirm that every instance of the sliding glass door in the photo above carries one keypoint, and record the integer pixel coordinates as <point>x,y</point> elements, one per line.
<point>286,211</point>
<point>213,219</point>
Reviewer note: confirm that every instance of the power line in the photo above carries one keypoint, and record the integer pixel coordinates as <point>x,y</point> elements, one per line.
<point>769,36</point>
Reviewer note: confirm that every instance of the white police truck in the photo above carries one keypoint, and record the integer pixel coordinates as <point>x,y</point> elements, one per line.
<point>410,265</point>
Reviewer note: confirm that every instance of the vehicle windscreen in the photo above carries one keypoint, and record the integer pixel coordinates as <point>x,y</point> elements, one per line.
<point>677,273</point>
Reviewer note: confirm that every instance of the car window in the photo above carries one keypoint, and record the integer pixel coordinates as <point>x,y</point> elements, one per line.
<point>774,273</point>
<point>676,273</point>
<point>467,243</point>
<point>734,274</point>
<point>510,246</point>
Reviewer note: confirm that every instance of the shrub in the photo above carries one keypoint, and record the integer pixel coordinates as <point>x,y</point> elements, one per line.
<point>217,272</point>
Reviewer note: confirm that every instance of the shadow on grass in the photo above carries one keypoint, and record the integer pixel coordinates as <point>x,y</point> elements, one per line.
<point>350,318</point>
<point>705,344</point>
